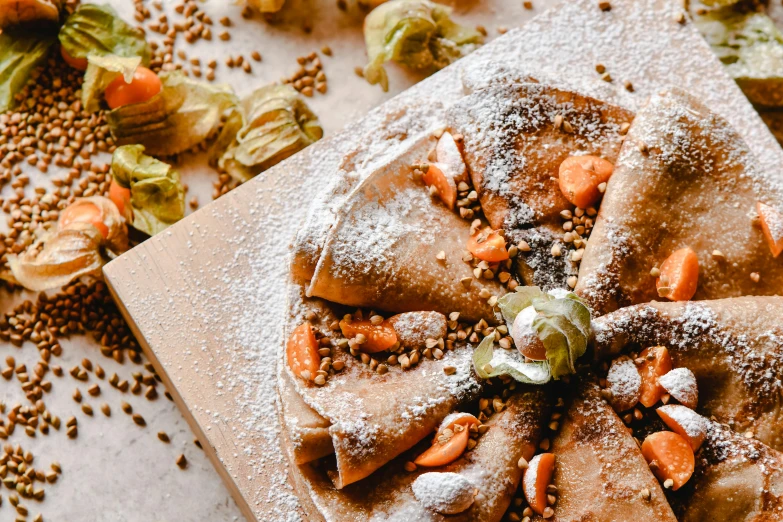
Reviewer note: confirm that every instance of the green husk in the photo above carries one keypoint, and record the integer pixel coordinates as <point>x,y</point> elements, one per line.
<point>488,363</point>
<point>13,12</point>
<point>156,193</point>
<point>751,48</point>
<point>101,71</point>
<point>266,6</point>
<point>512,303</point>
<point>98,30</point>
<point>182,115</point>
<point>274,124</point>
<point>563,325</point>
<point>20,53</point>
<point>415,33</point>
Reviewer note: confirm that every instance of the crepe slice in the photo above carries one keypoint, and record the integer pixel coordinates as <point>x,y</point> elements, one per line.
<point>684,179</point>
<point>516,136</point>
<point>382,252</point>
<point>600,472</point>
<point>736,478</point>
<point>733,346</point>
<point>491,467</point>
<point>372,418</point>
<point>356,166</point>
<point>308,432</point>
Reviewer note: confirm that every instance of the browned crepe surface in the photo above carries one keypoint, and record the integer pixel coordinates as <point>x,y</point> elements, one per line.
<point>491,466</point>
<point>372,418</point>
<point>733,346</point>
<point>685,178</point>
<point>381,252</point>
<point>736,479</point>
<point>513,149</point>
<point>406,143</point>
<point>308,432</point>
<point>599,469</point>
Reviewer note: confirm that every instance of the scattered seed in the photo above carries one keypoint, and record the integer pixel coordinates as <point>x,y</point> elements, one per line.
<point>182,462</point>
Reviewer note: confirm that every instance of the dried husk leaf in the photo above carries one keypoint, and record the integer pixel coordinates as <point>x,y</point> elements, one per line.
<point>101,71</point>
<point>563,325</point>
<point>182,115</point>
<point>157,195</point>
<point>59,259</point>
<point>277,124</point>
<point>21,51</point>
<point>416,33</point>
<point>13,12</point>
<point>751,47</point>
<point>488,363</point>
<point>117,239</point>
<point>99,30</point>
<point>512,303</point>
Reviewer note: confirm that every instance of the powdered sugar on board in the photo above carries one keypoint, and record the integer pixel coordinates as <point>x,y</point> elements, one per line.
<point>208,295</point>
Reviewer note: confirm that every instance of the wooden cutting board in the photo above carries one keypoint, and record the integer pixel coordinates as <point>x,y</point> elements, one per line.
<point>206,297</point>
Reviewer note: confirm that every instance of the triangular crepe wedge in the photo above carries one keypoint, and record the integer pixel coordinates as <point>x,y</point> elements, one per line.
<point>733,346</point>
<point>381,252</point>
<point>323,213</point>
<point>308,432</point>
<point>735,479</point>
<point>491,466</point>
<point>685,178</point>
<point>372,418</point>
<point>600,472</point>
<point>515,137</point>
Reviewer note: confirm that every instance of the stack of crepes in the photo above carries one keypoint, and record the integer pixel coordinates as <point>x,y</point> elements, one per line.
<point>682,178</point>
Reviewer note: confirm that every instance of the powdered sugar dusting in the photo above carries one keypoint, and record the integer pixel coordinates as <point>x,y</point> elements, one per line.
<point>679,166</point>
<point>414,328</point>
<point>444,492</point>
<point>681,384</point>
<point>735,344</point>
<point>693,425</point>
<point>624,382</point>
